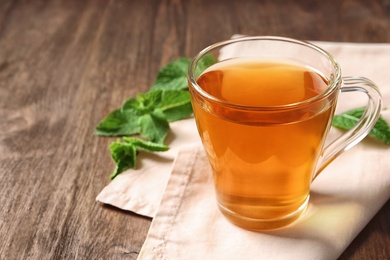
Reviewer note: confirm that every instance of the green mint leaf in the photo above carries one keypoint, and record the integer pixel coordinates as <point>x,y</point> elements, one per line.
<point>173,98</point>
<point>146,145</point>
<point>144,102</point>
<point>173,75</point>
<point>132,103</point>
<point>176,104</point>
<point>154,126</point>
<point>119,123</point>
<point>179,112</point>
<point>124,155</point>
<point>348,120</point>
<point>151,98</point>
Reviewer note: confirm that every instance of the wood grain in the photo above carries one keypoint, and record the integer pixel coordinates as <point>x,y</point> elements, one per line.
<point>65,64</point>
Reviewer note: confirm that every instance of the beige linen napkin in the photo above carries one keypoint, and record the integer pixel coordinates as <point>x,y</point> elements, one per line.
<point>188,225</point>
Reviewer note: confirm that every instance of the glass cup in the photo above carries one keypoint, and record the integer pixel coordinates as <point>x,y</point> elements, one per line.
<point>263,111</point>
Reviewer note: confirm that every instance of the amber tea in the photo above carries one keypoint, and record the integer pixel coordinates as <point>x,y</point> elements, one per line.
<point>262,168</point>
<point>263,112</point>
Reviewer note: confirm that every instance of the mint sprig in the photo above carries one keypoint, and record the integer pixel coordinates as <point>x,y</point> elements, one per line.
<point>148,114</point>
<point>348,120</point>
<point>124,152</point>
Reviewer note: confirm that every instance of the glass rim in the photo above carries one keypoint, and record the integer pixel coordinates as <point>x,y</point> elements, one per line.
<point>332,84</point>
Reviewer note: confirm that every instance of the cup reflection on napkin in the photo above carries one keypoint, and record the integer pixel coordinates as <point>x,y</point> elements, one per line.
<point>188,225</point>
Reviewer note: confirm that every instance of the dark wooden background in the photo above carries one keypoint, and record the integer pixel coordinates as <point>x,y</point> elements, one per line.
<point>64,64</point>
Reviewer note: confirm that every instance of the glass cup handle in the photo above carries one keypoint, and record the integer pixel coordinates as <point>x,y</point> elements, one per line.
<point>363,126</point>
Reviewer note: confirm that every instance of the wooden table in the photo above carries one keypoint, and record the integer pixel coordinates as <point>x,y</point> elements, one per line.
<point>64,64</point>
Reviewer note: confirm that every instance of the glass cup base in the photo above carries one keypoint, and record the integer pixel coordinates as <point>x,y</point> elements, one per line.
<point>263,224</point>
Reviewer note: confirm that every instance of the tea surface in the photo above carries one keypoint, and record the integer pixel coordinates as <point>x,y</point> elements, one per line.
<point>252,83</point>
